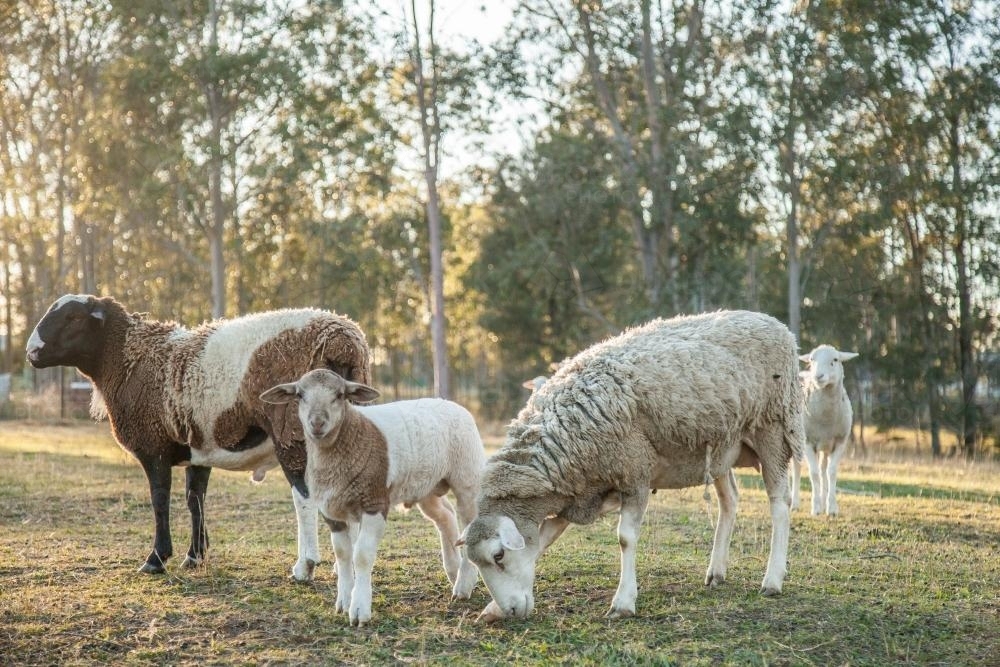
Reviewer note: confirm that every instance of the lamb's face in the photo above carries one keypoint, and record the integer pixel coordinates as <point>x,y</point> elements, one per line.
<point>322,397</point>
<point>69,334</point>
<point>507,562</point>
<point>826,365</point>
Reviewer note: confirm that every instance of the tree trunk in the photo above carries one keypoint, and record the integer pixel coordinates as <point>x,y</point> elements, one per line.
<point>216,226</point>
<point>967,366</point>
<point>430,128</point>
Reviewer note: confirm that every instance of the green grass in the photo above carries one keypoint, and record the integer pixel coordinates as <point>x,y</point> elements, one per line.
<point>909,573</point>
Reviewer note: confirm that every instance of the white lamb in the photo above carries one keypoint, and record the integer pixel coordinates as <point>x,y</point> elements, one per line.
<point>828,418</point>
<point>362,460</point>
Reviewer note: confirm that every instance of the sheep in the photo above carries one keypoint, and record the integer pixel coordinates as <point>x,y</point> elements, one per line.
<point>671,404</point>
<point>189,397</point>
<point>828,419</point>
<point>535,383</point>
<point>362,460</point>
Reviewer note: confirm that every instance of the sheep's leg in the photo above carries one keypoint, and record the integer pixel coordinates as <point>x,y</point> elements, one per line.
<point>815,479</point>
<point>342,535</point>
<point>796,482</point>
<point>833,460</point>
<point>158,474</point>
<point>468,574</point>
<point>308,537</point>
<point>725,489</point>
<point>549,532</point>
<point>365,548</point>
<point>775,474</point>
<point>439,510</point>
<point>197,485</point>
<point>632,510</point>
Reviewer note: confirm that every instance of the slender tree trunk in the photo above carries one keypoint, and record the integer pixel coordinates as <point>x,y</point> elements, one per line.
<point>967,366</point>
<point>430,128</point>
<point>216,226</point>
<point>792,235</point>
<point>645,237</point>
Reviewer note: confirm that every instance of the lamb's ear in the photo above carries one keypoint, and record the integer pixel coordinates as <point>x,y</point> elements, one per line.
<point>847,356</point>
<point>510,536</point>
<point>361,393</point>
<point>282,393</point>
<point>804,357</point>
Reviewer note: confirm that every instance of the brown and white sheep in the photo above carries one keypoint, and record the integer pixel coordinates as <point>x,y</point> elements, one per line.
<point>363,460</point>
<point>190,397</point>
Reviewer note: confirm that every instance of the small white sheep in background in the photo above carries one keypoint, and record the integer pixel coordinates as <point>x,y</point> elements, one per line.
<point>360,460</point>
<point>828,418</point>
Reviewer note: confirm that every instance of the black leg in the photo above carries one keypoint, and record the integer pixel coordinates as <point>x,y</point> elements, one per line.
<point>158,473</point>
<point>197,485</point>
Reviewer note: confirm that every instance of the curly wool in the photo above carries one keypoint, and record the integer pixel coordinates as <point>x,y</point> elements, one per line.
<point>686,391</point>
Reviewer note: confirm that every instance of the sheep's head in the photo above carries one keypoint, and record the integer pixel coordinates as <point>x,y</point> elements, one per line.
<point>70,333</point>
<point>826,365</point>
<point>506,559</point>
<point>322,397</point>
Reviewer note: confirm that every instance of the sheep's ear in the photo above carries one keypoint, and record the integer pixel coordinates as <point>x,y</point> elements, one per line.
<point>97,310</point>
<point>460,542</point>
<point>847,356</point>
<point>510,536</point>
<point>528,384</point>
<point>361,393</point>
<point>804,357</point>
<point>282,393</point>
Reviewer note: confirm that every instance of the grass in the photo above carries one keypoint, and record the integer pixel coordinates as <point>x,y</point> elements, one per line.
<point>908,574</point>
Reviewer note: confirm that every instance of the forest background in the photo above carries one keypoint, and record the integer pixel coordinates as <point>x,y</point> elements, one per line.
<point>489,196</point>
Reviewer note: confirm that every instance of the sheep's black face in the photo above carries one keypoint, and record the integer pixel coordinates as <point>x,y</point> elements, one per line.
<point>69,334</point>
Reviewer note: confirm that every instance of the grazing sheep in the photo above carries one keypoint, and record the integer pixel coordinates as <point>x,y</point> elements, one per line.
<point>828,418</point>
<point>362,460</point>
<point>672,404</point>
<point>189,397</point>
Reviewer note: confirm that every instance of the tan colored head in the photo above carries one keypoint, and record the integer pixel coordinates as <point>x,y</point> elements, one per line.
<point>322,397</point>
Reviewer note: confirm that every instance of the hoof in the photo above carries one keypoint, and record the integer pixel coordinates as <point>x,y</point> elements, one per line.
<point>150,568</point>
<point>304,574</point>
<point>191,563</point>
<point>715,580</point>
<point>770,591</point>
<point>619,613</point>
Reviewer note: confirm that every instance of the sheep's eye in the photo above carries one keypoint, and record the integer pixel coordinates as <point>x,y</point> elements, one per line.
<point>497,557</point>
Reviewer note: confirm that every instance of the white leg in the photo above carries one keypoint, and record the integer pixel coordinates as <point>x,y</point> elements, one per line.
<point>306,516</point>
<point>816,479</point>
<point>365,548</point>
<point>725,488</point>
<point>777,564</point>
<point>439,511</point>
<point>796,481</point>
<point>468,574</point>
<point>549,532</point>
<point>343,535</point>
<point>632,511</point>
<point>839,449</point>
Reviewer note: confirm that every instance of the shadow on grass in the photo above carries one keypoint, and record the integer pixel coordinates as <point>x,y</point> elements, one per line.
<point>880,489</point>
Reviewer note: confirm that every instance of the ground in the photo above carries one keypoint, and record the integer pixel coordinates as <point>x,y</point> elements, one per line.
<point>909,573</point>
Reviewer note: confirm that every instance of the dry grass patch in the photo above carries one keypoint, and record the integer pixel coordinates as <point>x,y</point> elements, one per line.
<point>908,574</point>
